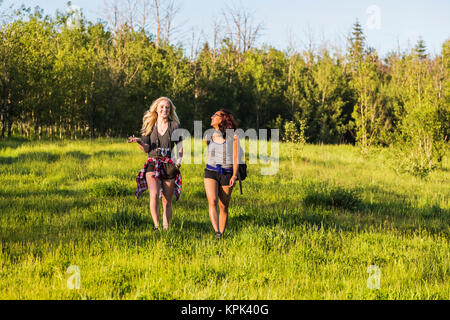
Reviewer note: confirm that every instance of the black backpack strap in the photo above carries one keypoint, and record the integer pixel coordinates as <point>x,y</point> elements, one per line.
<point>240,182</point>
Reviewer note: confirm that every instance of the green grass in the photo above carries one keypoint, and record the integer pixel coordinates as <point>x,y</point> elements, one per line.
<point>309,232</point>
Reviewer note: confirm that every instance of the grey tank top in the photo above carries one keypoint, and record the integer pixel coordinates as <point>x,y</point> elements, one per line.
<point>222,153</point>
<point>217,154</point>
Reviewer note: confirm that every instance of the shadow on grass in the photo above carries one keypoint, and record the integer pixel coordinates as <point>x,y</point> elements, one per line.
<point>109,154</point>
<point>325,164</point>
<point>13,142</point>
<point>367,216</point>
<point>47,157</point>
<point>77,155</point>
<point>121,218</point>
<point>43,193</point>
<point>199,227</point>
<point>331,207</point>
<point>39,228</point>
<point>322,211</point>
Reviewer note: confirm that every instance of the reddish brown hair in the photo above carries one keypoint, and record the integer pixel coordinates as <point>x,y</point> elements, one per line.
<point>228,121</point>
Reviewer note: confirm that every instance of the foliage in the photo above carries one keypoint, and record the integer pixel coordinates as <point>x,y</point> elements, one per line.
<point>368,112</point>
<point>421,104</point>
<point>64,80</point>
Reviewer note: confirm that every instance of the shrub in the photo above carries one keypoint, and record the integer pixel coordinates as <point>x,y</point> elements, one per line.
<point>420,157</point>
<point>294,133</point>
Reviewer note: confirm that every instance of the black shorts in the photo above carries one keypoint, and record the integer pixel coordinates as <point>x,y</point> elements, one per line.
<point>222,179</point>
<point>170,169</point>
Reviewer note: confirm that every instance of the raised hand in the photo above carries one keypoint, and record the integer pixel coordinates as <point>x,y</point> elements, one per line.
<point>133,139</point>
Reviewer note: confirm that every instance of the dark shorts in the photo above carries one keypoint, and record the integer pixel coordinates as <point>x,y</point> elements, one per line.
<point>222,179</point>
<point>170,169</point>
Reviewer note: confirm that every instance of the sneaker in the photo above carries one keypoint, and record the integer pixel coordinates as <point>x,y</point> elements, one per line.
<point>218,235</point>
<point>155,229</point>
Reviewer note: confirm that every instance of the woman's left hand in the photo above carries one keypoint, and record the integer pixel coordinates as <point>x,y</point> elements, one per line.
<point>232,181</point>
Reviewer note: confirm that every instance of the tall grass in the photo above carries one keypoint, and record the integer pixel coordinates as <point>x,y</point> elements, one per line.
<point>309,232</point>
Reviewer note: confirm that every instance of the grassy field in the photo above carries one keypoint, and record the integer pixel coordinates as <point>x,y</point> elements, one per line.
<point>309,232</point>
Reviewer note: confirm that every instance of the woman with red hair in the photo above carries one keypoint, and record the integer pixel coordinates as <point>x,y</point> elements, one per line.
<point>222,168</point>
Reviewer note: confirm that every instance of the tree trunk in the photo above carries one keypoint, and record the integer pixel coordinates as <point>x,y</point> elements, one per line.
<point>92,128</point>
<point>60,127</point>
<point>158,22</point>
<point>257,118</point>
<point>9,125</point>
<point>3,118</point>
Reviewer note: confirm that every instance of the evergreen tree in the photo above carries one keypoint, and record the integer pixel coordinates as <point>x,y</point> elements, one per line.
<point>368,112</point>
<point>421,49</point>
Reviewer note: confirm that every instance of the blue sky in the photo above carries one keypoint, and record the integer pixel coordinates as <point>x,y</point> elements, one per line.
<point>393,23</point>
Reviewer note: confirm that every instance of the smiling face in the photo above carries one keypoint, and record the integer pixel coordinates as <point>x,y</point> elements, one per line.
<point>163,109</point>
<point>216,118</point>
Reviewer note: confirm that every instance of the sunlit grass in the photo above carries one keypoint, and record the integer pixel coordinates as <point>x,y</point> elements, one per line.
<point>308,232</point>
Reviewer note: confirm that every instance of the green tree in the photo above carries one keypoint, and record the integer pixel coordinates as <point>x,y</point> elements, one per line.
<point>331,97</point>
<point>443,84</point>
<point>368,112</point>
<point>420,131</point>
<point>421,49</point>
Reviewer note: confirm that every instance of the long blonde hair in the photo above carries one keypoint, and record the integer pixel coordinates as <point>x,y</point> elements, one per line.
<point>150,116</point>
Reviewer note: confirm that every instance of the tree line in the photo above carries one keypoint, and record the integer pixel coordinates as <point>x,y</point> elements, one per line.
<point>67,77</point>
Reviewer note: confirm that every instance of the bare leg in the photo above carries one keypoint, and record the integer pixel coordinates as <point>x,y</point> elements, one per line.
<point>153,188</point>
<point>167,186</point>
<point>211,188</point>
<point>224,202</point>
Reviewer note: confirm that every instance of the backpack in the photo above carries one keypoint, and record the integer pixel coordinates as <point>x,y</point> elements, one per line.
<point>242,174</point>
<point>242,171</point>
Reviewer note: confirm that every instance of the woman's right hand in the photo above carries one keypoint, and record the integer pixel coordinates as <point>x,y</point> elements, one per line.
<point>133,139</point>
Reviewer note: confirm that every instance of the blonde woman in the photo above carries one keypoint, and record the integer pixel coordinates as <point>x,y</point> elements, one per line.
<point>161,173</point>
